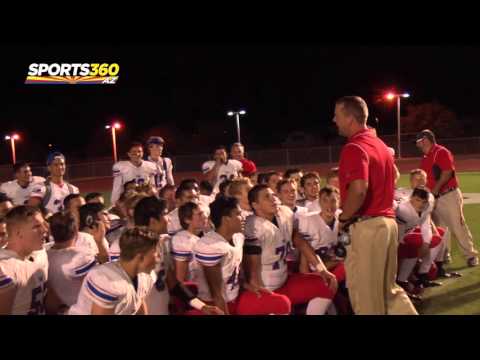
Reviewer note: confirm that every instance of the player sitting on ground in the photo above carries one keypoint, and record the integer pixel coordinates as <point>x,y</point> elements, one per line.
<point>67,264</point>
<point>220,255</point>
<point>194,222</point>
<point>268,235</point>
<point>24,263</point>
<point>120,287</point>
<point>72,203</point>
<point>332,178</point>
<point>151,212</point>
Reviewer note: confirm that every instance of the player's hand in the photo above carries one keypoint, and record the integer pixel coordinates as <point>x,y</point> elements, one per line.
<point>257,289</point>
<point>212,310</point>
<point>99,232</point>
<point>330,279</point>
<point>424,250</point>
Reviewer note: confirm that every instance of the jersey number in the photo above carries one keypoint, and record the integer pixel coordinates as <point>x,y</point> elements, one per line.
<point>282,251</point>
<point>233,279</point>
<point>37,306</point>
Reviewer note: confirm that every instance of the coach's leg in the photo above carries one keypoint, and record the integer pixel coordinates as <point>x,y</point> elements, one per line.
<point>365,268</point>
<point>397,301</point>
<point>449,214</point>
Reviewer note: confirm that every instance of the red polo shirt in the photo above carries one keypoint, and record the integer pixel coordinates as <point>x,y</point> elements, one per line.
<point>366,157</point>
<point>249,167</point>
<point>441,158</point>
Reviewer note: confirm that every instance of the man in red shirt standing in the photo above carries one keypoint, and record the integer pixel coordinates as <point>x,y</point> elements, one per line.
<point>438,163</point>
<point>366,174</point>
<point>237,152</point>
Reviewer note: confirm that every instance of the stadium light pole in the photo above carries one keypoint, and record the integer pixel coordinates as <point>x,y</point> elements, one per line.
<point>391,96</point>
<point>237,116</point>
<point>114,127</point>
<point>13,138</point>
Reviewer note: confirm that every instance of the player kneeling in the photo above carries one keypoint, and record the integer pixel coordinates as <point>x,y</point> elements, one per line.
<point>268,235</point>
<point>419,239</point>
<point>120,288</point>
<point>320,229</point>
<point>220,255</point>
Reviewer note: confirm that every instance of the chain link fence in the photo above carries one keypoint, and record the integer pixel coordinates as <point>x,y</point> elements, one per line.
<point>263,158</point>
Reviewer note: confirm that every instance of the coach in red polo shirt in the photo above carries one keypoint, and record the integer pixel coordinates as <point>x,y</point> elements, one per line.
<point>366,174</point>
<point>438,163</point>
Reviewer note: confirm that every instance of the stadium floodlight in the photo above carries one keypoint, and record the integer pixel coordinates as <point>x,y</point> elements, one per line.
<point>13,137</point>
<point>114,127</point>
<point>237,117</point>
<point>391,96</point>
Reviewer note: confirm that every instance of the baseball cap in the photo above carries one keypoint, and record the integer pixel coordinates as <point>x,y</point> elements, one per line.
<point>425,134</point>
<point>156,140</point>
<point>54,156</point>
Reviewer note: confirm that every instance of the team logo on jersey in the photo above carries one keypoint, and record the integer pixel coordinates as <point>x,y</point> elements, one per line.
<point>72,74</point>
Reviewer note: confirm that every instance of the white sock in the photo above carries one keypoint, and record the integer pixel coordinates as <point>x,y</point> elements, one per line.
<point>438,252</point>
<point>406,268</point>
<point>318,306</point>
<point>426,264</point>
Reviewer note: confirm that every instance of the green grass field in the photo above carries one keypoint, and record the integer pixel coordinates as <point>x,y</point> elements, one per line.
<point>459,296</point>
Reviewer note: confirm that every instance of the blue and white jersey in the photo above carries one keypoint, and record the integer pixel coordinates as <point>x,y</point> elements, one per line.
<point>57,195</point>
<point>110,287</point>
<point>275,241</point>
<point>66,271</point>
<point>29,277</point>
<point>318,233</point>
<point>213,249</point>
<point>19,194</point>
<point>164,173</point>
<point>182,250</point>
<point>125,171</point>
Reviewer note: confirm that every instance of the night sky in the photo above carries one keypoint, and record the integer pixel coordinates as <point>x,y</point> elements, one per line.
<point>183,91</point>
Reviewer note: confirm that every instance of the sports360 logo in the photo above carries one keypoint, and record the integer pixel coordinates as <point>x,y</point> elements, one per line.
<point>41,73</point>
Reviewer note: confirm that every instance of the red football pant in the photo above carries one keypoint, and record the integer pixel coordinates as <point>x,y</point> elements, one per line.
<point>301,288</point>
<point>249,303</point>
<point>413,241</point>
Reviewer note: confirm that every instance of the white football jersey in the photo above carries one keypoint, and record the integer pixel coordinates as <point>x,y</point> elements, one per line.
<point>110,287</point>
<point>158,298</point>
<point>228,171</point>
<point>86,243</point>
<point>408,219</point>
<point>58,194</point>
<point>20,194</point>
<point>125,171</point>
<point>318,233</point>
<point>164,173</point>
<point>66,271</point>
<point>29,276</point>
<point>213,249</point>
<point>275,241</point>
<point>182,250</point>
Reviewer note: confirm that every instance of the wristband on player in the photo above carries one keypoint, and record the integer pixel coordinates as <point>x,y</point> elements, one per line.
<point>197,304</point>
<point>183,293</point>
